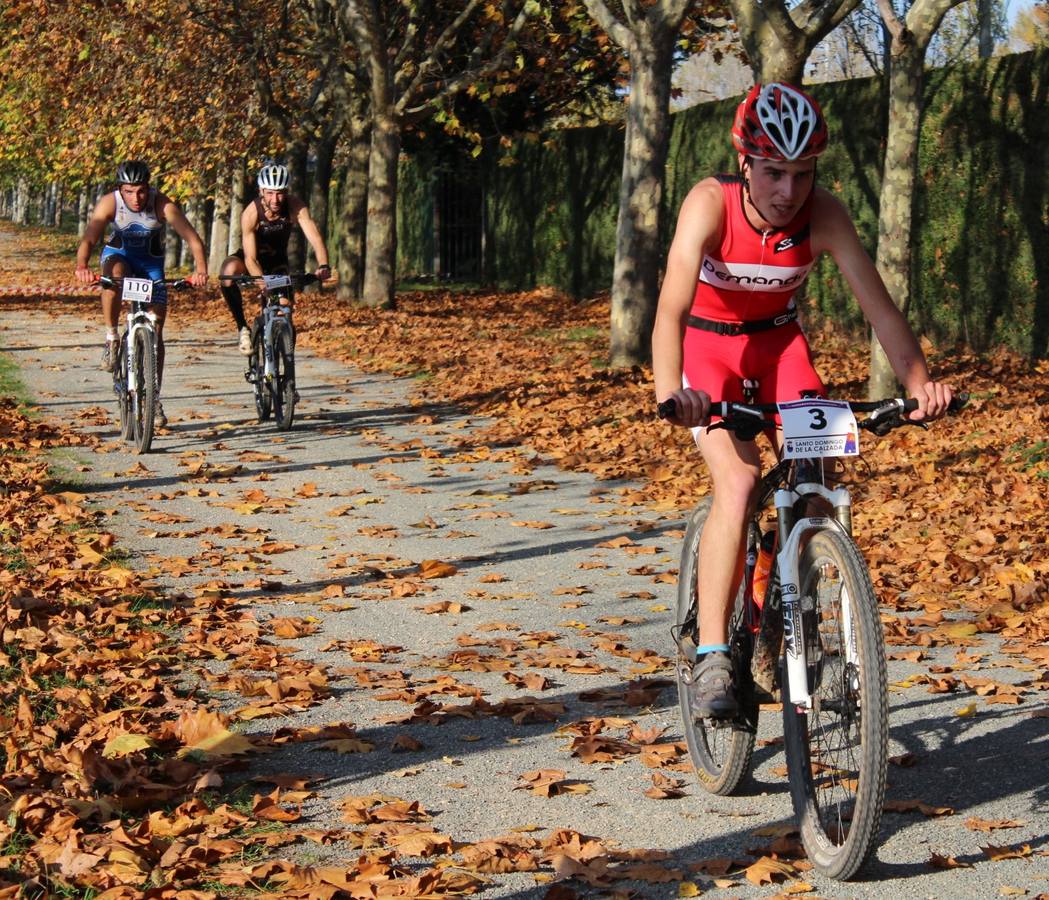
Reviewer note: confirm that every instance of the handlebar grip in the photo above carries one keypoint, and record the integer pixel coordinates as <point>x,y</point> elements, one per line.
<point>667,408</point>
<point>957,404</point>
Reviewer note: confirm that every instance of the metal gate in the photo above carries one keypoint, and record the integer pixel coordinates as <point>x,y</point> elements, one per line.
<point>458,221</point>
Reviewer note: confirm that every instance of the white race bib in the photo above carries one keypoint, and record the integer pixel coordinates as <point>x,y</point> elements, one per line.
<point>272,282</point>
<point>818,428</point>
<point>137,290</point>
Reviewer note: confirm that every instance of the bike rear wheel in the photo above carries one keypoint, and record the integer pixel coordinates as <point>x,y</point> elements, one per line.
<point>144,400</point>
<point>283,376</point>
<point>257,372</point>
<point>120,388</point>
<point>720,749</point>
<point>837,751</point>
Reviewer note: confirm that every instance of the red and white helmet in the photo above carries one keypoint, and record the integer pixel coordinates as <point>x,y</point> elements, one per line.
<point>777,121</point>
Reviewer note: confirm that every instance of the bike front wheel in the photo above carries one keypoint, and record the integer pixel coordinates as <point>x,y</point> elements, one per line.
<point>837,751</point>
<point>720,749</point>
<point>257,372</point>
<point>120,388</point>
<point>283,376</point>
<point>144,400</point>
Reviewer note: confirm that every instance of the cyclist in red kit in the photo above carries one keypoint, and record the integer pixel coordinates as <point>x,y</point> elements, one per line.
<point>743,246</point>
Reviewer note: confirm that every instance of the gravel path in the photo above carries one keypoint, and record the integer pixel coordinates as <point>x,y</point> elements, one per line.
<point>327,523</point>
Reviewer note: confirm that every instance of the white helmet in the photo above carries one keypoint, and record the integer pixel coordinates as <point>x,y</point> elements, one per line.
<point>273,177</point>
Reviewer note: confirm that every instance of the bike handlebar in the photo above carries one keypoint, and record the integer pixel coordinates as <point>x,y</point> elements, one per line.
<point>112,281</point>
<point>299,278</point>
<point>885,415</point>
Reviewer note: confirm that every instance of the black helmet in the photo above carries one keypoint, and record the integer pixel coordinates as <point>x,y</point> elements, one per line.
<point>133,171</point>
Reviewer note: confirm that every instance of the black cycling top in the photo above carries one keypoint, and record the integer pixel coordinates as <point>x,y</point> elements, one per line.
<point>271,239</point>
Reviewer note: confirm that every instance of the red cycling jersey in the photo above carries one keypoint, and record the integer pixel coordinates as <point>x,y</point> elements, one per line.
<point>752,274</point>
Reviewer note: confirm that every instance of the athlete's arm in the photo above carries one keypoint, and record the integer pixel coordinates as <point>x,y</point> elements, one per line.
<point>300,214</point>
<point>173,215</point>
<point>834,231</point>
<point>104,213</point>
<point>698,225</point>
<point>249,221</point>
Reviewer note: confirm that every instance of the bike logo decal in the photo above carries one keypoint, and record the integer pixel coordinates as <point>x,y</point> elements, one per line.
<point>791,628</point>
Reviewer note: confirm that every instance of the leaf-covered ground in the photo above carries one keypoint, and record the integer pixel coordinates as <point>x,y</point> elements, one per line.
<point>111,766</point>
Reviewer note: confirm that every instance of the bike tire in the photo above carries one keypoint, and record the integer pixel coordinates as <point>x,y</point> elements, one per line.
<point>257,370</point>
<point>284,376</point>
<point>837,753</point>
<point>120,388</point>
<point>721,751</point>
<point>145,398</point>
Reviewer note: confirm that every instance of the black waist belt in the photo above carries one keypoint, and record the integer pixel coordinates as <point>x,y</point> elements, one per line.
<point>742,327</point>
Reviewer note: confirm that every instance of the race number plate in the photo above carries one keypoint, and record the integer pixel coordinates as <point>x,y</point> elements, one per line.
<point>272,282</point>
<point>137,290</point>
<point>818,428</point>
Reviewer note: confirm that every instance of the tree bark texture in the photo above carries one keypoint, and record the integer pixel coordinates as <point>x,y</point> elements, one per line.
<point>81,211</point>
<point>349,231</point>
<point>194,210</point>
<point>635,276</point>
<point>895,219</point>
<point>238,189</point>
<point>779,40</point>
<point>381,233</point>
<point>219,246</point>
<point>646,32</point>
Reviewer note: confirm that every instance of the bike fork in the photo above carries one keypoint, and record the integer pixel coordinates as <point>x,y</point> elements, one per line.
<point>791,534</point>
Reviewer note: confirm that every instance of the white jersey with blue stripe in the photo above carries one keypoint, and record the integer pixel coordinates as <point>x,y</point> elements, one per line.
<point>138,232</point>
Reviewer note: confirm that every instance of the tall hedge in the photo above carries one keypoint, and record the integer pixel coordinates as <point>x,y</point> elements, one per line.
<point>981,252</point>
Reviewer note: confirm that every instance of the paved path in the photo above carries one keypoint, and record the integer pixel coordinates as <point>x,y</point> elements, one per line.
<point>328,524</point>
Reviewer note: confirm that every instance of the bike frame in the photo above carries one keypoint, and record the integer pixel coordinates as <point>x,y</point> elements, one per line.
<point>272,310</point>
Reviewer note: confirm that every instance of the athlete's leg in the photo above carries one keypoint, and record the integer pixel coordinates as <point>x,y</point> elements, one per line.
<point>234,265</point>
<point>114,265</point>
<point>735,469</point>
<point>713,364</point>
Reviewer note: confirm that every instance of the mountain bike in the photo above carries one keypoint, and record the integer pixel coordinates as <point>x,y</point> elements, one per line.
<point>813,636</point>
<point>271,366</point>
<point>135,366</point>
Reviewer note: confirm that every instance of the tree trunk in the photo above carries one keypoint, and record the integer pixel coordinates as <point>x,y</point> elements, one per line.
<point>219,246</point>
<point>56,216</point>
<point>380,270</point>
<point>21,210</point>
<point>297,156</point>
<point>193,210</point>
<point>984,17</point>
<point>635,279</point>
<point>323,152</point>
<point>238,191</point>
<point>81,211</point>
<point>353,211</point>
<point>897,194</point>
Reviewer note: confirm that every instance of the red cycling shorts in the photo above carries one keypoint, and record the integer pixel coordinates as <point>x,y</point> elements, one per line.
<point>778,359</point>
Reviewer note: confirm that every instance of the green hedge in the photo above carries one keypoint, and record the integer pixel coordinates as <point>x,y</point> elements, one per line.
<point>981,272</point>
